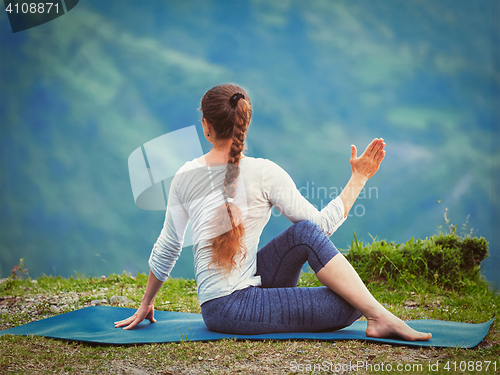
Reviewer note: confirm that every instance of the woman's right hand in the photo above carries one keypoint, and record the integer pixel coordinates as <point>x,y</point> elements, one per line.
<point>144,311</point>
<point>368,163</point>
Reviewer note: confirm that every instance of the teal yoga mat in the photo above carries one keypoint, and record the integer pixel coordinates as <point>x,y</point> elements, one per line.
<point>95,324</point>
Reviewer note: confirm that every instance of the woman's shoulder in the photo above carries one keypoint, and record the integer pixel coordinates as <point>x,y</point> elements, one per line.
<point>258,163</point>
<point>246,162</point>
<point>270,172</point>
<point>190,165</point>
<point>188,171</point>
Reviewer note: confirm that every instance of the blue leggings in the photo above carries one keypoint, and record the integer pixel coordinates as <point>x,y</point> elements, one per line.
<point>278,305</point>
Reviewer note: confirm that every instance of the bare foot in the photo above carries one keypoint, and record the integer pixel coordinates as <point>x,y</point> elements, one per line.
<point>387,325</point>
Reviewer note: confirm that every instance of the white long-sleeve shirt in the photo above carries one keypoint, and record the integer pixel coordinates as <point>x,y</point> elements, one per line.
<point>196,193</point>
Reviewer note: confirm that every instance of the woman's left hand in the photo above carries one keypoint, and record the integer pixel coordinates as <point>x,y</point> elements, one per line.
<point>143,312</point>
<point>366,165</point>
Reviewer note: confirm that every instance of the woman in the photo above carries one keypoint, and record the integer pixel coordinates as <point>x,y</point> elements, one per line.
<point>228,198</point>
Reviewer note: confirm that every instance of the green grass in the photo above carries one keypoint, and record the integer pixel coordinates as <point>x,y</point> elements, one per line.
<point>408,295</point>
<point>444,260</point>
<point>40,355</point>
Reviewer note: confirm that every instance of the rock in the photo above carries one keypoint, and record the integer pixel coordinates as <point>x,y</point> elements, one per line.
<point>95,302</point>
<point>133,371</point>
<point>66,301</point>
<point>120,300</point>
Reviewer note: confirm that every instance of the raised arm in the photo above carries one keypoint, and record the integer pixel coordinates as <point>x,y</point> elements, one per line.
<point>282,193</point>
<point>363,168</point>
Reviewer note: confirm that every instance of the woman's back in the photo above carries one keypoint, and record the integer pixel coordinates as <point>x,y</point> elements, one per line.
<point>195,195</point>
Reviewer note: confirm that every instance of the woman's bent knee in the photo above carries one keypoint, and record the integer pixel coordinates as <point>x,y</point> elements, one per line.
<point>305,225</point>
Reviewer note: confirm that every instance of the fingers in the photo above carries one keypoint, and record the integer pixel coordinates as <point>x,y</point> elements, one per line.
<point>378,150</point>
<point>129,322</point>
<point>150,316</point>
<point>133,324</point>
<point>353,152</point>
<point>380,157</point>
<point>124,322</point>
<point>371,147</point>
<point>374,148</point>
<point>135,319</point>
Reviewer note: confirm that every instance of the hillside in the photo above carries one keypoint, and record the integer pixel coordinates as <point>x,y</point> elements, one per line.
<point>408,295</point>
<point>81,93</point>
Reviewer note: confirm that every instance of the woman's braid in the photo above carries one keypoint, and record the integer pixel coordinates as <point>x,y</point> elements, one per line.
<point>241,121</point>
<point>228,109</point>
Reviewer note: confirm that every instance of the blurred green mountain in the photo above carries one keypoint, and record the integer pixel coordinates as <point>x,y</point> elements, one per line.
<point>80,93</point>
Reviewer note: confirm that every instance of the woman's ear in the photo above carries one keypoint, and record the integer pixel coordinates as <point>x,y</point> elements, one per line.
<point>208,127</point>
<point>207,130</point>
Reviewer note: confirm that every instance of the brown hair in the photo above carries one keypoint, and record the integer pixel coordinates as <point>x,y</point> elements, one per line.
<point>228,109</point>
